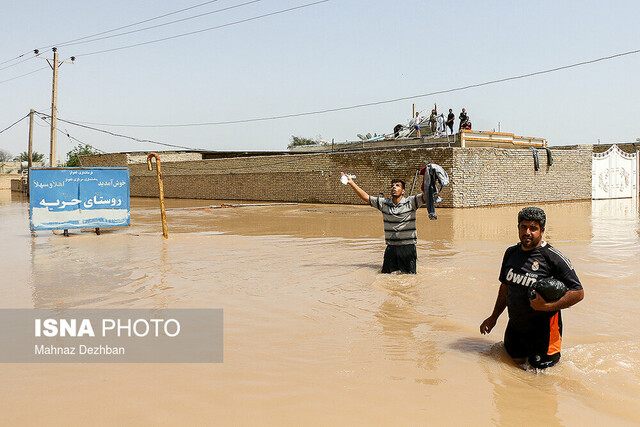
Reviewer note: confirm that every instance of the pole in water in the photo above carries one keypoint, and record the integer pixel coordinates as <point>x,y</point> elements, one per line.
<point>163,214</point>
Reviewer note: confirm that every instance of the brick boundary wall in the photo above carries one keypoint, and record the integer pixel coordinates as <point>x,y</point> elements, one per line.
<point>479,176</point>
<point>310,178</point>
<point>494,176</point>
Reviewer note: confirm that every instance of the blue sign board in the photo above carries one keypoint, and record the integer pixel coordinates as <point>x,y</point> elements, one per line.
<point>64,198</point>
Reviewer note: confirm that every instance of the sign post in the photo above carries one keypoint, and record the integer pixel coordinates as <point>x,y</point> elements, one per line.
<point>66,198</point>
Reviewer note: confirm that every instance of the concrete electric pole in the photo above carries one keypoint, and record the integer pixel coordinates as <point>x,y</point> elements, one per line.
<point>30,151</point>
<point>54,109</point>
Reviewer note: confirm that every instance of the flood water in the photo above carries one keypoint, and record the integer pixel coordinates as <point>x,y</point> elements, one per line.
<point>313,333</point>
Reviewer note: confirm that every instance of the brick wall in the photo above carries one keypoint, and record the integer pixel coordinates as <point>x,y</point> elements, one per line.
<point>105,160</point>
<point>495,176</point>
<point>165,157</point>
<point>310,178</point>
<point>479,176</point>
<point>124,159</point>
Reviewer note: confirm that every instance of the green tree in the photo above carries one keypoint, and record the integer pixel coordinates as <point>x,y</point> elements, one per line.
<point>297,141</point>
<point>24,157</point>
<point>73,156</point>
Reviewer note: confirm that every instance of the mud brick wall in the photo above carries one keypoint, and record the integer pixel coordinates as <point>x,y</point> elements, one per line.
<point>105,160</point>
<point>312,178</point>
<point>124,159</point>
<point>495,176</point>
<point>479,176</point>
<point>5,180</point>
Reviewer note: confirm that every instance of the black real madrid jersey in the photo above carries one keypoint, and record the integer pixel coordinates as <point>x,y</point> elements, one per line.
<point>520,269</point>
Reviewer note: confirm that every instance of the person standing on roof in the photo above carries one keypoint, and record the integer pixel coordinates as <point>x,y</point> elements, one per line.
<point>464,120</point>
<point>415,122</point>
<point>433,120</point>
<point>450,119</point>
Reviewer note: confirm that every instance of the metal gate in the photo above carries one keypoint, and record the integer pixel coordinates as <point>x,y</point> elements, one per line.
<point>614,174</point>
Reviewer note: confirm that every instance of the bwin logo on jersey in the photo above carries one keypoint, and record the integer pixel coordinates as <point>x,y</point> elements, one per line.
<point>519,279</point>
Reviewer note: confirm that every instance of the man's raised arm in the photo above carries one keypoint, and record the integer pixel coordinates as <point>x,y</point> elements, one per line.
<point>359,191</point>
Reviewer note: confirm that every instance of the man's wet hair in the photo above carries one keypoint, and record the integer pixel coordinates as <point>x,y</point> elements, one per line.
<point>533,213</point>
<point>393,181</point>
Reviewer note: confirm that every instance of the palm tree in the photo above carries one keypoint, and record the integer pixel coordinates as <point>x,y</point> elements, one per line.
<point>35,156</point>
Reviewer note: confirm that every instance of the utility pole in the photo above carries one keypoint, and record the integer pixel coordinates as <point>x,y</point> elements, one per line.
<point>30,152</point>
<point>54,109</point>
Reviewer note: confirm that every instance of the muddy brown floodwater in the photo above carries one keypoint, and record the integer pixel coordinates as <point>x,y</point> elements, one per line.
<point>313,333</point>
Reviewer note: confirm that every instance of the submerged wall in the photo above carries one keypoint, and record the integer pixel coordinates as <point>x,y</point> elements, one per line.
<point>479,176</point>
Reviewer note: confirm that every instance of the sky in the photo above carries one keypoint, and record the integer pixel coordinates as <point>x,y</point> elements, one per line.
<point>330,55</point>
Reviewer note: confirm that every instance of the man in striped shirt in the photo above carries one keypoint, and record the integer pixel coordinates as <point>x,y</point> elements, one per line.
<point>399,215</point>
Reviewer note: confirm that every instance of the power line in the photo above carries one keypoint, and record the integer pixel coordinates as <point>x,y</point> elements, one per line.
<point>17,57</point>
<point>113,29</point>
<point>19,62</point>
<point>73,138</point>
<point>31,72</point>
<point>132,24</point>
<point>14,123</point>
<point>118,135</point>
<point>23,75</point>
<point>66,133</point>
<point>159,25</point>
<point>204,29</point>
<point>165,38</point>
<point>374,103</point>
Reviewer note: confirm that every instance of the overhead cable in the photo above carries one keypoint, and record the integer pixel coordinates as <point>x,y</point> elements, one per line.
<point>131,25</point>
<point>14,123</point>
<point>73,138</point>
<point>369,104</point>
<point>68,135</point>
<point>23,75</point>
<point>113,29</point>
<point>204,29</point>
<point>158,25</point>
<point>150,141</point>
<point>15,58</point>
<point>19,62</point>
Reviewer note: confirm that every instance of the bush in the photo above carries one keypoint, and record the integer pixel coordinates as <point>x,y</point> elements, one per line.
<point>297,141</point>
<point>73,156</point>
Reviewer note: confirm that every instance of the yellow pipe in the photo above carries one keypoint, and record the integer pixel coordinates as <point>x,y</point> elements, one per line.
<point>163,214</point>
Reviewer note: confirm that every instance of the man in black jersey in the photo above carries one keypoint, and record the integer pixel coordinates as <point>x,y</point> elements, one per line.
<point>534,330</point>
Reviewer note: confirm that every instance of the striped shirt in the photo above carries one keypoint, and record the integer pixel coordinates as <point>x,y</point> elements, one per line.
<point>399,219</point>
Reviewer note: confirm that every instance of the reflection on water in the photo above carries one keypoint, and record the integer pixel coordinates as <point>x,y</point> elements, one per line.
<point>314,334</point>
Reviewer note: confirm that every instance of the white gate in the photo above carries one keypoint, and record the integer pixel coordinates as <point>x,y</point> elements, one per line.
<point>614,174</point>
